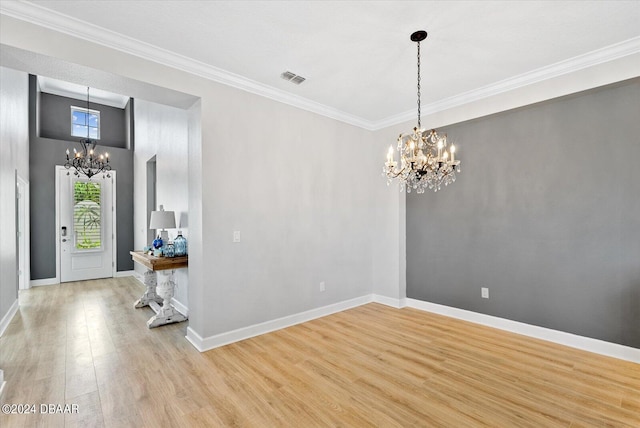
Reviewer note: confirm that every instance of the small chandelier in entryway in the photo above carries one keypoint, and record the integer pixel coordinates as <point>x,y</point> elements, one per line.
<point>87,161</point>
<point>426,159</point>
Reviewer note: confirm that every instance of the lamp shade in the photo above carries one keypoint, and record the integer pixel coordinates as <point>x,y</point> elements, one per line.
<point>162,220</point>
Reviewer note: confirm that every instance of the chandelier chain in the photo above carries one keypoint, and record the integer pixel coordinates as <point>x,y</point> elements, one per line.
<point>86,116</point>
<point>419,127</point>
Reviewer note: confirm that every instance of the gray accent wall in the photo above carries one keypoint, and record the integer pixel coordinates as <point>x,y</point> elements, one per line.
<point>55,120</point>
<point>44,155</point>
<point>545,213</point>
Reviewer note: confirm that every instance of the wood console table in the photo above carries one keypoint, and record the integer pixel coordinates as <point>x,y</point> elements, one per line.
<point>162,293</point>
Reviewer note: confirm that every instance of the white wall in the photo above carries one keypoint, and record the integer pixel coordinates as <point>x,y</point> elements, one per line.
<point>300,189</point>
<point>14,156</point>
<point>162,131</point>
<point>196,252</point>
<point>389,254</point>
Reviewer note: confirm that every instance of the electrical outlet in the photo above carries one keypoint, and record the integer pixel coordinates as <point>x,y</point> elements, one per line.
<point>484,292</point>
<point>236,236</point>
<point>322,288</point>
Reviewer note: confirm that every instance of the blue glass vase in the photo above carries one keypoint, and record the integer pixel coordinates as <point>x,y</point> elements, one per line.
<point>180,245</point>
<point>169,250</point>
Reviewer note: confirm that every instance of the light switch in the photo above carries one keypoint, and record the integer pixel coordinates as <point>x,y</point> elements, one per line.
<point>236,236</point>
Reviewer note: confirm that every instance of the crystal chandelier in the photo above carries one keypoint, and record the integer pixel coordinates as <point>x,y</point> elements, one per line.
<point>87,161</point>
<point>426,159</point>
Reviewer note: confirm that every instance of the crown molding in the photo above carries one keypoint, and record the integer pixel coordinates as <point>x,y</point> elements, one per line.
<point>38,15</point>
<point>571,65</point>
<point>47,18</point>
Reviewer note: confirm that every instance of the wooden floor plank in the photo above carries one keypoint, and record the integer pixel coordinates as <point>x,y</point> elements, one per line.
<point>83,343</point>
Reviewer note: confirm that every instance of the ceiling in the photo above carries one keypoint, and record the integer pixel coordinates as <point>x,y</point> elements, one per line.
<point>356,56</point>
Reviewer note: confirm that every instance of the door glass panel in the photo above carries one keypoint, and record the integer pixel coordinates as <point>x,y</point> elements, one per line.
<point>87,215</point>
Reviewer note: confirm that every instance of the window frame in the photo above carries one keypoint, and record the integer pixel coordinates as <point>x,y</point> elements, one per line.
<point>90,112</point>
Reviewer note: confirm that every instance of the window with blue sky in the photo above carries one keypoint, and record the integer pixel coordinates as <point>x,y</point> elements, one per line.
<point>83,121</point>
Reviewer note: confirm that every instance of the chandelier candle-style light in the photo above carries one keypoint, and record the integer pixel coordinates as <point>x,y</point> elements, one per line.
<point>426,158</point>
<point>86,161</point>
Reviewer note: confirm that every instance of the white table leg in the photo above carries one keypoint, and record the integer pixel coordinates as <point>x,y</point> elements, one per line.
<point>166,314</point>
<point>150,295</point>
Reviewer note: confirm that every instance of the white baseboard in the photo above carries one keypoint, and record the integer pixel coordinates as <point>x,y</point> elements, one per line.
<point>41,282</point>
<point>180,307</point>
<point>195,339</point>
<point>124,273</point>
<point>568,339</point>
<point>8,317</point>
<point>390,301</point>
<point>211,342</point>
<point>55,281</point>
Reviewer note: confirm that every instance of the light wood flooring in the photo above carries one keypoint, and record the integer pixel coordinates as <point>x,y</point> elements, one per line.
<point>83,343</point>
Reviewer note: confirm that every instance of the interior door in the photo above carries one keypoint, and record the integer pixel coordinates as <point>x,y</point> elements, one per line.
<point>86,235</point>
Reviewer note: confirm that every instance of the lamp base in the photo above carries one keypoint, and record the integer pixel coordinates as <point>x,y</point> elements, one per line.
<point>164,235</point>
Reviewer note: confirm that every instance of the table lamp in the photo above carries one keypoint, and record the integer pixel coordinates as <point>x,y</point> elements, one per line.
<point>162,220</point>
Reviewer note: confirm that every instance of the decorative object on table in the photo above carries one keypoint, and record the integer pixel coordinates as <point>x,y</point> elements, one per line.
<point>425,161</point>
<point>169,250</point>
<point>157,252</point>
<point>87,161</point>
<point>180,245</point>
<point>162,219</point>
<point>157,243</point>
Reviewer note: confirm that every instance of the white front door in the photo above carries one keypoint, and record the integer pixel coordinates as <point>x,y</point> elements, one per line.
<point>85,220</point>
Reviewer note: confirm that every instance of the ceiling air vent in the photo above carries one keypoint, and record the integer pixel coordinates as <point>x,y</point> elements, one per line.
<point>292,77</point>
